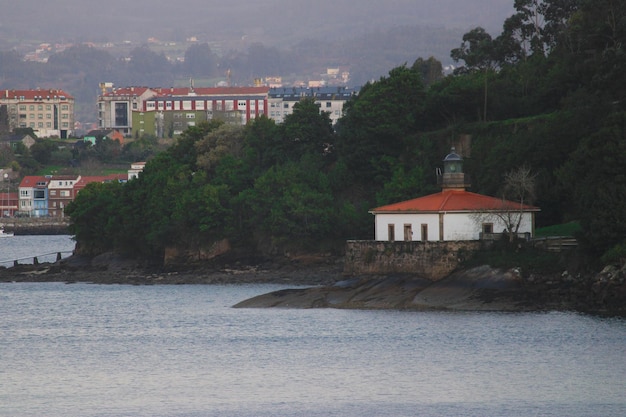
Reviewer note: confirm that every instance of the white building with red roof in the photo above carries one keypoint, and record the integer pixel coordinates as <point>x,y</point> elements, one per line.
<point>454,214</point>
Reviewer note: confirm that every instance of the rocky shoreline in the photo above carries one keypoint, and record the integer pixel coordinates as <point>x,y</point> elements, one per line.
<point>477,289</point>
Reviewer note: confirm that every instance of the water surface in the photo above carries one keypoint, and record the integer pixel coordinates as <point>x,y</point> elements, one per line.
<point>95,350</point>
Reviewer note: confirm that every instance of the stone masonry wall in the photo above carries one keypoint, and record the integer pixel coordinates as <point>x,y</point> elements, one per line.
<point>432,260</point>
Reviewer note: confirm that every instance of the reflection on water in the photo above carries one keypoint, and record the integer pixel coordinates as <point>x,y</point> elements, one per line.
<point>94,350</point>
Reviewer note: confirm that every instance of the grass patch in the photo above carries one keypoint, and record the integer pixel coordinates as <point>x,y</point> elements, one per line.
<point>565,229</point>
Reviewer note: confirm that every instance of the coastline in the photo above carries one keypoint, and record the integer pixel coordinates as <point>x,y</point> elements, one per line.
<point>477,289</point>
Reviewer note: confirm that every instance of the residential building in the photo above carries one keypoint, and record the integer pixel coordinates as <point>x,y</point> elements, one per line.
<point>50,113</point>
<point>13,140</point>
<point>60,193</point>
<point>329,99</point>
<point>173,110</point>
<point>167,112</point>
<point>48,196</point>
<point>33,196</point>
<point>454,214</point>
<point>9,203</point>
<point>116,106</point>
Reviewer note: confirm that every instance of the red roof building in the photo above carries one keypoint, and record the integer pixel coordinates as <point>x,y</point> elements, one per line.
<point>452,214</point>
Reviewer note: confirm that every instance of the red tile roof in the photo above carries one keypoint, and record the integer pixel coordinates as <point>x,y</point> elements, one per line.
<point>452,201</point>
<point>82,183</point>
<point>127,91</point>
<point>31,94</point>
<point>32,180</point>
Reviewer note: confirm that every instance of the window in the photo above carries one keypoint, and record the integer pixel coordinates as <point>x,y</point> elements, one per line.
<point>487,229</point>
<point>190,115</point>
<point>391,232</point>
<point>53,193</point>
<point>408,233</point>
<point>31,107</point>
<point>65,193</point>
<point>40,116</point>
<point>328,104</point>
<point>65,107</point>
<point>424,232</point>
<point>40,125</point>
<point>40,107</point>
<point>22,107</point>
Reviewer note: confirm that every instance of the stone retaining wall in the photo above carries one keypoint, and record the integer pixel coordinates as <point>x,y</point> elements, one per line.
<point>432,260</point>
<point>36,225</point>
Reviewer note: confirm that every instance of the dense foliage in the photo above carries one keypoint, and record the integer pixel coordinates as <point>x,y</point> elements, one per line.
<point>546,94</point>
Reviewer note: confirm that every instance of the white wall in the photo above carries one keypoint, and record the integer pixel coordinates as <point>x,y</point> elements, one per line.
<point>399,220</point>
<point>456,226</point>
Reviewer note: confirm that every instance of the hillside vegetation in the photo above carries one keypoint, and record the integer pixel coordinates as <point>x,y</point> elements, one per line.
<point>545,96</point>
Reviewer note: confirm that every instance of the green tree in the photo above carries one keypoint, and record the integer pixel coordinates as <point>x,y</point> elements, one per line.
<point>42,151</point>
<point>377,124</point>
<point>306,131</point>
<point>431,70</point>
<point>94,221</point>
<point>480,54</point>
<point>596,177</point>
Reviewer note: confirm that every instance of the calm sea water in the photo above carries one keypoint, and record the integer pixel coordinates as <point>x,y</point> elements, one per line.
<point>95,350</point>
<point>25,248</point>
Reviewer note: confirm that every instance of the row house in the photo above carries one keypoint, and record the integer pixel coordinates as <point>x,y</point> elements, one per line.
<point>48,196</point>
<point>50,113</point>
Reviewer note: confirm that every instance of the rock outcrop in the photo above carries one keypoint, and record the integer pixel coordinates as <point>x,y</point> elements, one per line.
<point>481,288</point>
<point>478,289</point>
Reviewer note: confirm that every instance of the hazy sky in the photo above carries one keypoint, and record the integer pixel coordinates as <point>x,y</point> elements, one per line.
<point>279,21</point>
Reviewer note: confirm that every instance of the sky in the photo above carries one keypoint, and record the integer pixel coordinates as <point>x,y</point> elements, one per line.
<point>271,21</point>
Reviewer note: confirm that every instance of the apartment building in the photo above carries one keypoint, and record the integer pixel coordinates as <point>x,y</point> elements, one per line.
<point>167,112</point>
<point>50,113</point>
<point>329,99</point>
<point>116,106</point>
<point>173,110</point>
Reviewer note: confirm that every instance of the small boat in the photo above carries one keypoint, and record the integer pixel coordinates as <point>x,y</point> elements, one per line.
<point>5,234</point>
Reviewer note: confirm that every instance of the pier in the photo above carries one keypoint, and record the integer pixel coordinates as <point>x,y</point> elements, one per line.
<point>36,225</point>
<point>37,259</point>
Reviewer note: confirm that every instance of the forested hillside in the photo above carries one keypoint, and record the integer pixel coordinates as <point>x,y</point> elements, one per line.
<point>548,97</point>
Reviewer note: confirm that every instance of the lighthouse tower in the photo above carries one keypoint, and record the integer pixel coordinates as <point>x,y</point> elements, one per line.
<point>453,177</point>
